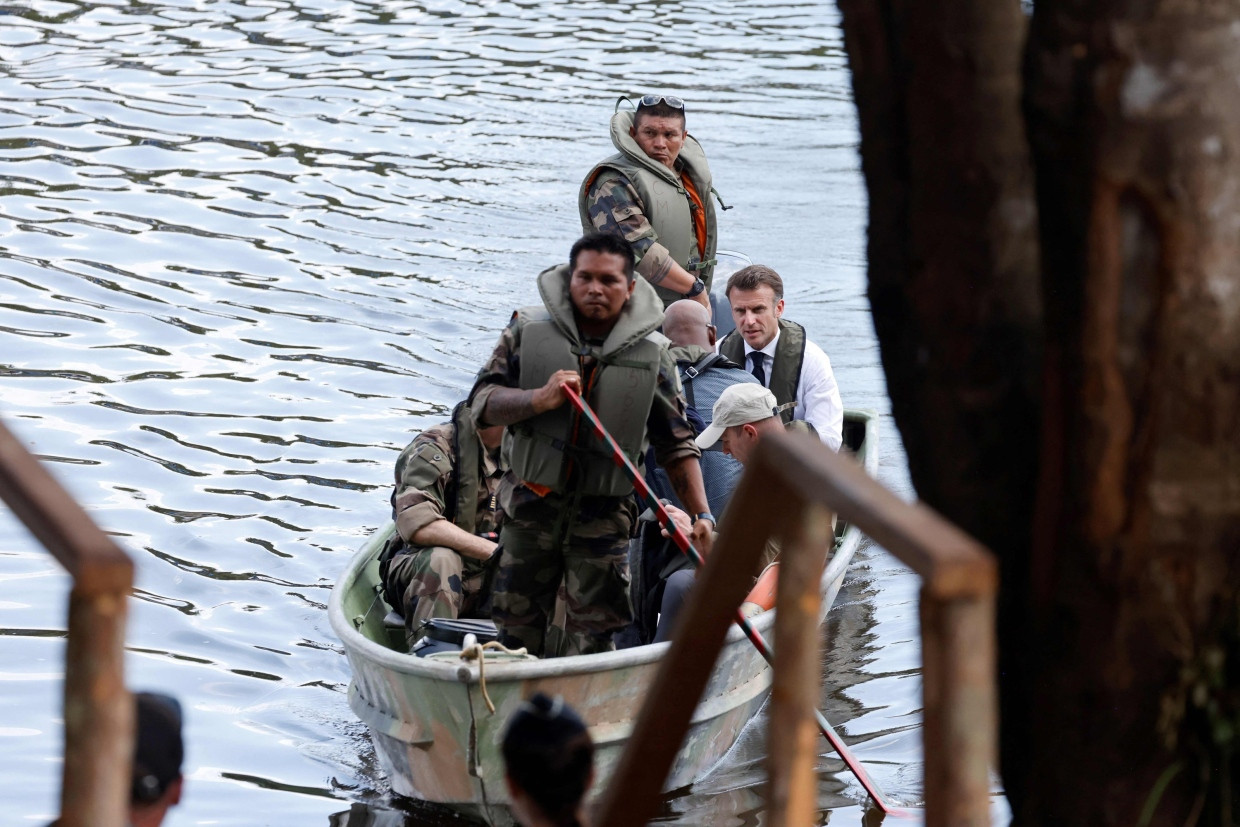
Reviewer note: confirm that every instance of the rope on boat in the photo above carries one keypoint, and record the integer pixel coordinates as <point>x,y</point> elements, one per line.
<point>477,652</point>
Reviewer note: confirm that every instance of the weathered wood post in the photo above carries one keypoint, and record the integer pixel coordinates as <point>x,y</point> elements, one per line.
<point>792,735</point>
<point>632,795</point>
<point>99,711</point>
<point>958,655</point>
<point>798,481</point>
<point>959,585</point>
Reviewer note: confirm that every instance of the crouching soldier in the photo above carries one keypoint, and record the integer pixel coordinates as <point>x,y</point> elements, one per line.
<point>444,505</point>
<point>568,509</point>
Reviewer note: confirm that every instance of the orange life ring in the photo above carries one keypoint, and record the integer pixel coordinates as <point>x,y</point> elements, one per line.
<point>761,597</point>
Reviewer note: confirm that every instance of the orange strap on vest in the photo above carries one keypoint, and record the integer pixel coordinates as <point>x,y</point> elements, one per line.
<point>699,213</point>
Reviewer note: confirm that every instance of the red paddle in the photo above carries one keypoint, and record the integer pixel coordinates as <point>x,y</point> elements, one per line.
<point>755,637</point>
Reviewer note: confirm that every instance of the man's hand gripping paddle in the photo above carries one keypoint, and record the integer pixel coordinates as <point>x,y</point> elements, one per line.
<point>755,637</point>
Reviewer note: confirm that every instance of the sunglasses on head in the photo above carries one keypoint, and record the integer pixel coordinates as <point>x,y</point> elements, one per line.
<point>655,100</point>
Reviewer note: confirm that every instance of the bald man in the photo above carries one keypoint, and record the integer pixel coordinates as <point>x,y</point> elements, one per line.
<point>704,375</point>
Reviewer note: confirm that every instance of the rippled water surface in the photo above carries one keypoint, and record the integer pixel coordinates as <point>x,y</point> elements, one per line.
<point>250,248</point>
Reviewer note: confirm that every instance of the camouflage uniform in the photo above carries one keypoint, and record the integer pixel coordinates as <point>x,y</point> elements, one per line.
<point>435,581</point>
<point>657,210</point>
<point>616,208</point>
<point>563,535</point>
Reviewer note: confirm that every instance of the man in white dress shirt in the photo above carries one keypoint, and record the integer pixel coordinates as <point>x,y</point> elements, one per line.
<point>779,353</point>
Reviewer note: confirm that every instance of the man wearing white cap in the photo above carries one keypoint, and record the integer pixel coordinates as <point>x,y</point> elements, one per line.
<point>743,414</point>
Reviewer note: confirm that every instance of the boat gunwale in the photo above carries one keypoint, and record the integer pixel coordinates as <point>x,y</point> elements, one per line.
<point>408,664</point>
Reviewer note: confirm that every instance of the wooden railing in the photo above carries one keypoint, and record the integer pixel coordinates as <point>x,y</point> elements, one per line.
<point>790,489</point>
<point>98,710</point>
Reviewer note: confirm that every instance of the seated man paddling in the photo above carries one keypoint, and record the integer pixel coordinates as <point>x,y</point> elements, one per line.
<point>446,520</point>
<point>568,508</point>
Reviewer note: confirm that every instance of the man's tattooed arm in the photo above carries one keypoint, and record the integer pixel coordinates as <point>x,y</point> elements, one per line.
<point>504,406</point>
<point>508,405</point>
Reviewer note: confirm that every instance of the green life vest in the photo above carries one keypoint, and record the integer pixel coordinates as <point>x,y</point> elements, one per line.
<point>462,497</point>
<point>621,391</point>
<point>665,203</point>
<point>786,370</point>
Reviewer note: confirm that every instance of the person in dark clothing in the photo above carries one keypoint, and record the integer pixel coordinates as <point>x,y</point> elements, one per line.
<point>158,752</point>
<point>549,763</point>
<point>157,755</point>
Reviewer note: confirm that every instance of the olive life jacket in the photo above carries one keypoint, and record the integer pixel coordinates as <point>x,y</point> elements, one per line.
<point>786,369</point>
<point>666,204</point>
<point>621,389</point>
<point>461,507</point>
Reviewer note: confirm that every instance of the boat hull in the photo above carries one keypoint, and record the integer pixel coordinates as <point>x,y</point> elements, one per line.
<point>439,742</point>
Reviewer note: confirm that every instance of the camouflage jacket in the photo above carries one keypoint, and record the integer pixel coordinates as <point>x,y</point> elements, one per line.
<point>611,201</point>
<point>424,483</point>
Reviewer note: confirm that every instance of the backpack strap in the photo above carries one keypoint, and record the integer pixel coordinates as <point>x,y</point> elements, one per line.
<point>699,367</point>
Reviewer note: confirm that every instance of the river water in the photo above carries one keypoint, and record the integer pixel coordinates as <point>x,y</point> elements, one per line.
<point>250,248</point>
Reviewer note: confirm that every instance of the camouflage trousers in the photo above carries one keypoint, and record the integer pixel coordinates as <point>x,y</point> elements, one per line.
<point>436,582</point>
<point>581,542</point>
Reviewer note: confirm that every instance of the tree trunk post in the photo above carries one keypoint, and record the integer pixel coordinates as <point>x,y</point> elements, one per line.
<point>953,268</point>
<point>1135,133</point>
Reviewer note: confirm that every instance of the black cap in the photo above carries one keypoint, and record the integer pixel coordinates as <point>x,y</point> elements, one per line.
<point>545,720</point>
<point>158,749</point>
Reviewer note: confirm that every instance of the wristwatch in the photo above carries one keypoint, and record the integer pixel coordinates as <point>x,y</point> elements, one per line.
<point>705,515</point>
<point>698,287</point>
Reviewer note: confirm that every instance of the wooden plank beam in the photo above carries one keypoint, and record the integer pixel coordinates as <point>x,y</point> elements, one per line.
<point>960,717</point>
<point>99,714</point>
<point>99,711</point>
<point>632,798</point>
<point>951,563</point>
<point>96,563</point>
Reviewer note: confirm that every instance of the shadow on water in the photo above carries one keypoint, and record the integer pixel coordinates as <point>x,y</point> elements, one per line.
<point>247,250</point>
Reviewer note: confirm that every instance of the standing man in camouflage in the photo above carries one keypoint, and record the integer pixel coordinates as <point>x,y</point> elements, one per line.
<point>444,505</point>
<point>655,193</point>
<point>568,508</point>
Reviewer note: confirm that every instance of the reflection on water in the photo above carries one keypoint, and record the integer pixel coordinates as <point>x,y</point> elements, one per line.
<point>248,248</point>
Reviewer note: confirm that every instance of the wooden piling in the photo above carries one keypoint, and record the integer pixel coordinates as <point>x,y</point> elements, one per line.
<point>796,481</point>
<point>792,735</point>
<point>98,710</point>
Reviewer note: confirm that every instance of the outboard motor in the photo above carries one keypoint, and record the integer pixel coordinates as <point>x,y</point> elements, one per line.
<point>442,634</point>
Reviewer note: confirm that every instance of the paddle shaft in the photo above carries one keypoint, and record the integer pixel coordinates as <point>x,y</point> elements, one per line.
<point>682,543</point>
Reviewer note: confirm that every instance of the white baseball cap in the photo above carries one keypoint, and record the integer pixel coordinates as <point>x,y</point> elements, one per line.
<point>739,404</point>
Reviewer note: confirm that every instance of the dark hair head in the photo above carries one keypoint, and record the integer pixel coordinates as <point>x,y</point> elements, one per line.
<point>604,243</point>
<point>158,750</point>
<point>548,754</point>
<point>659,110</point>
<point>753,277</point>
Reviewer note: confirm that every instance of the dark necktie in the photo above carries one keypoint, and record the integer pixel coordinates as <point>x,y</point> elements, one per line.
<point>758,370</point>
